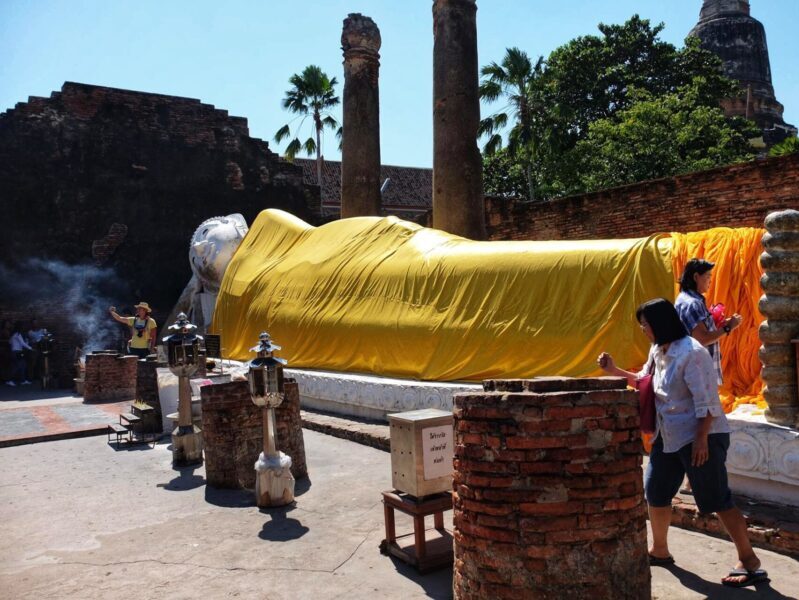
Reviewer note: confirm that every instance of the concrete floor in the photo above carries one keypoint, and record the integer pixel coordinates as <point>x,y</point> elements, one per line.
<point>82,520</point>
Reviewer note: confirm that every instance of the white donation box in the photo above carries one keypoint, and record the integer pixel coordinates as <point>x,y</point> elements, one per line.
<point>421,451</point>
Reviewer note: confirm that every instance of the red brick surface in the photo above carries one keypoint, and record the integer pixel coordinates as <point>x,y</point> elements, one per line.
<point>109,377</point>
<point>543,510</point>
<point>233,433</point>
<point>735,196</point>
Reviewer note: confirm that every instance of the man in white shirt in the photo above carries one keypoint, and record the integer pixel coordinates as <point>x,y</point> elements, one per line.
<point>18,361</point>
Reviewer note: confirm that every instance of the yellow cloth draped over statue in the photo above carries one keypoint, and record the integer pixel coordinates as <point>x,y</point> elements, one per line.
<point>389,297</point>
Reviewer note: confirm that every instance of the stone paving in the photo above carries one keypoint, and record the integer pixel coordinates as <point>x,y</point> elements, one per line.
<point>83,520</point>
<point>29,414</point>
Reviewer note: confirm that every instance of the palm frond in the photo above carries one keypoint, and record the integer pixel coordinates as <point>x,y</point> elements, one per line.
<point>292,149</point>
<point>309,146</point>
<point>282,134</point>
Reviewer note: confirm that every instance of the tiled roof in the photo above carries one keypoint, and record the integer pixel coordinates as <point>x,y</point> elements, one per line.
<point>409,192</point>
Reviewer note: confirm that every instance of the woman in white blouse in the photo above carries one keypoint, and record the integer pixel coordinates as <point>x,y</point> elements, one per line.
<point>691,436</point>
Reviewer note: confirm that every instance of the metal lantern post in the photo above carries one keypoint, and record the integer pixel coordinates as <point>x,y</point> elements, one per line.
<point>45,348</point>
<point>183,356</point>
<point>274,483</point>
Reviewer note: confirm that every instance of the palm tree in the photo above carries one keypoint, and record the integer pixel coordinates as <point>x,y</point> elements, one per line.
<point>515,80</point>
<point>312,95</point>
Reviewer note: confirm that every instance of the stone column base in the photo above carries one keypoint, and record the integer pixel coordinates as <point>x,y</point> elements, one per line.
<point>187,446</point>
<point>274,483</point>
<point>763,459</point>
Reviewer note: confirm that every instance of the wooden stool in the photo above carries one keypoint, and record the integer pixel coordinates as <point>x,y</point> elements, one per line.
<point>427,553</point>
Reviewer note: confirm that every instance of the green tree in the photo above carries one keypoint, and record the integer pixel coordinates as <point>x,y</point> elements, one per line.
<point>514,81</point>
<point>660,136</point>
<point>595,78</point>
<point>312,95</point>
<point>785,147</point>
<point>504,176</point>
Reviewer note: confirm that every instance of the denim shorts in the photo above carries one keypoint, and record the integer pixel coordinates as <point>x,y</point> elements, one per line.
<point>665,473</point>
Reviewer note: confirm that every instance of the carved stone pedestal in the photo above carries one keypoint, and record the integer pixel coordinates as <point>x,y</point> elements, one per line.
<point>187,446</point>
<point>274,483</point>
<point>763,459</point>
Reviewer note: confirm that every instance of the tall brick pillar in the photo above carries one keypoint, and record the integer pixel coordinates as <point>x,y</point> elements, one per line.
<point>360,151</point>
<point>549,492</point>
<point>457,165</point>
<point>780,304</point>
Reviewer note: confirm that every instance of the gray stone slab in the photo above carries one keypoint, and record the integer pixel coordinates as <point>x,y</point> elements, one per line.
<point>19,422</point>
<point>82,415</point>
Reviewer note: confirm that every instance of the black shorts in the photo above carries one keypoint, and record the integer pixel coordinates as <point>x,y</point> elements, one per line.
<point>665,473</point>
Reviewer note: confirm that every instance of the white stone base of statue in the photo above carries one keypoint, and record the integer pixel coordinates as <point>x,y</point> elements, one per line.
<point>371,396</point>
<point>187,446</point>
<point>274,483</point>
<point>763,459</point>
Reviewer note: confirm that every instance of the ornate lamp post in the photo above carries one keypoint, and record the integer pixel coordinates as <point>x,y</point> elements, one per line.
<point>45,348</point>
<point>274,483</point>
<point>183,355</point>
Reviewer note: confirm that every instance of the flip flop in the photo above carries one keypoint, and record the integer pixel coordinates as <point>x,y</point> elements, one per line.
<point>660,561</point>
<point>752,577</point>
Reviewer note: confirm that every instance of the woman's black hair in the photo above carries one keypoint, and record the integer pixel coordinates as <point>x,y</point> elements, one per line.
<point>663,319</point>
<point>695,266</point>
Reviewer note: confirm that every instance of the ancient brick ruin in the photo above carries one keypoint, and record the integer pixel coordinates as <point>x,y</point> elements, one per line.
<point>122,178</point>
<point>110,377</point>
<point>727,29</point>
<point>233,433</point>
<point>549,495</point>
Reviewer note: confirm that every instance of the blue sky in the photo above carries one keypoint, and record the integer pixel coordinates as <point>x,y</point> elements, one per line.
<point>239,55</point>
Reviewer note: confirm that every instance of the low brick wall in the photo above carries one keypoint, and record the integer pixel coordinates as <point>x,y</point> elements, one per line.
<point>109,376</point>
<point>233,433</point>
<point>549,496</point>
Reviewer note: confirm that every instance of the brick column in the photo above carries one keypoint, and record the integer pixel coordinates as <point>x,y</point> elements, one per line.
<point>109,377</point>
<point>549,493</point>
<point>360,148</point>
<point>233,433</point>
<point>457,165</point>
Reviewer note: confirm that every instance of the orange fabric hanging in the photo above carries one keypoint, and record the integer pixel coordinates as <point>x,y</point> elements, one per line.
<point>735,284</point>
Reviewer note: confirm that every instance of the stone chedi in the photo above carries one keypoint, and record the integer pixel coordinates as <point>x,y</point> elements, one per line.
<point>457,165</point>
<point>726,28</point>
<point>360,149</point>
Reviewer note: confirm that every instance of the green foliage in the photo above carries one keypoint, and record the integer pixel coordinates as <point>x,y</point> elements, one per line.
<point>659,136</point>
<point>514,81</point>
<point>503,176</point>
<point>785,147</point>
<point>312,95</point>
<point>597,93</point>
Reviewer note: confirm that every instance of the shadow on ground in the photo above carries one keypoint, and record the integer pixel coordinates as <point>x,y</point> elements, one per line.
<point>281,528</point>
<point>716,591</point>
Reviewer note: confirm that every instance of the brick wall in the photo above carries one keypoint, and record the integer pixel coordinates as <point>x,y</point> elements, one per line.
<point>233,433</point>
<point>98,175</point>
<point>735,196</point>
<point>549,494</point>
<point>109,377</point>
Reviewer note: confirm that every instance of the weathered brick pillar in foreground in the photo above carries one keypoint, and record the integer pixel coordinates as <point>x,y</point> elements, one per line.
<point>457,166</point>
<point>360,149</point>
<point>233,433</point>
<point>780,304</point>
<point>549,499</point>
<point>109,377</point>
